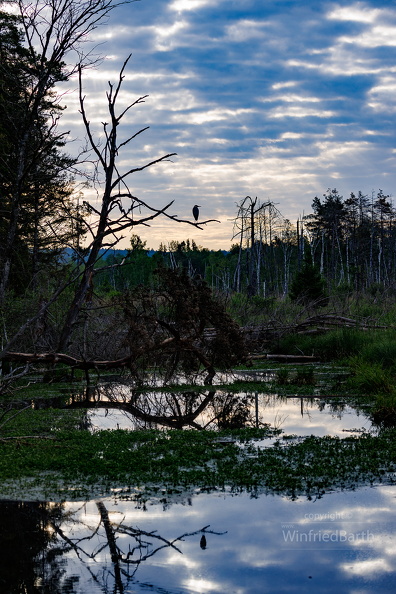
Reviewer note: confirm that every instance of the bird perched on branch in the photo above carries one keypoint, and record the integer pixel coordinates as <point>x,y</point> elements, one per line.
<point>195,211</point>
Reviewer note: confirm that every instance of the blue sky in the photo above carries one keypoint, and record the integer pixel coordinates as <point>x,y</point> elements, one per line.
<point>275,99</point>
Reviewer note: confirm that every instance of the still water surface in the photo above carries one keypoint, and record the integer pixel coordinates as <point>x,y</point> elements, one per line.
<point>343,542</point>
<point>294,415</point>
<point>196,542</point>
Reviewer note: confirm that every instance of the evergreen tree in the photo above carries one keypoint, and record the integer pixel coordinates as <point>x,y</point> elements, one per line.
<point>38,215</point>
<point>308,286</point>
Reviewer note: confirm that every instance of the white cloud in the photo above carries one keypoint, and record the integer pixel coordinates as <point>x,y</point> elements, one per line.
<point>293,98</point>
<point>381,35</point>
<point>340,61</point>
<point>370,567</point>
<point>359,12</point>
<point>291,136</point>
<point>245,30</point>
<point>217,114</point>
<point>178,101</point>
<point>382,96</point>
<point>188,5</point>
<point>295,111</point>
<point>167,36</point>
<point>283,85</point>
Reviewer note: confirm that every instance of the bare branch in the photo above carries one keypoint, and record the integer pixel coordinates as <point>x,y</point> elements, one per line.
<point>141,168</point>
<point>86,122</point>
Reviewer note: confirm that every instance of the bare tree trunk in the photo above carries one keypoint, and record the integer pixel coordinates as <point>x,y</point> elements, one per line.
<point>252,259</point>
<point>113,216</point>
<point>14,218</point>
<point>84,286</point>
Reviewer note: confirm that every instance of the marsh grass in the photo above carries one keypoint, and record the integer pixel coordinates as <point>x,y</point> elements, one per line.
<point>304,376</point>
<point>377,380</point>
<point>282,376</point>
<point>381,350</point>
<point>370,377</point>
<point>335,345</point>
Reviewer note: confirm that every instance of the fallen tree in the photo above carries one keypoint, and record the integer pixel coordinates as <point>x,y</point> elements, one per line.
<point>262,334</point>
<point>161,330</point>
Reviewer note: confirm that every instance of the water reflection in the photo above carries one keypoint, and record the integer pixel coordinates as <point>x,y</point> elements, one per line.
<point>124,408</point>
<point>115,406</point>
<point>204,543</point>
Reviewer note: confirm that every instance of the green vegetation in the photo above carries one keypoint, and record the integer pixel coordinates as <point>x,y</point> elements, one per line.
<point>45,449</point>
<point>372,346</point>
<point>177,311</point>
<point>204,459</point>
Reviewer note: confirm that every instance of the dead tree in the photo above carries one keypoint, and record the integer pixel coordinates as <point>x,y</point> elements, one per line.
<point>120,209</point>
<point>253,226</point>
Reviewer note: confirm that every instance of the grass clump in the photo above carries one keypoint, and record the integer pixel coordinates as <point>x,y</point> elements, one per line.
<point>372,346</point>
<point>334,345</point>
<point>382,350</point>
<point>370,377</point>
<point>283,376</point>
<point>304,376</point>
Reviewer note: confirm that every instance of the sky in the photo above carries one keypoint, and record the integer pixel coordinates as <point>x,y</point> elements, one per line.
<point>276,99</point>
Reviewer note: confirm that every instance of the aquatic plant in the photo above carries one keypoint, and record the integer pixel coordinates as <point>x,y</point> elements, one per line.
<point>206,459</point>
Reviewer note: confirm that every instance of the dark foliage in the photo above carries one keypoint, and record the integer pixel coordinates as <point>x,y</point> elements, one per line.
<point>308,286</point>
<point>180,327</point>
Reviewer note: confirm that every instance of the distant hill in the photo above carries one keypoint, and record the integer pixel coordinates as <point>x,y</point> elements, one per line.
<point>69,253</point>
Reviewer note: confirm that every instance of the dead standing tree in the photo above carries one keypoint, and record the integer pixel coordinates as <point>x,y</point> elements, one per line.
<point>120,209</point>
<point>115,192</point>
<point>253,226</point>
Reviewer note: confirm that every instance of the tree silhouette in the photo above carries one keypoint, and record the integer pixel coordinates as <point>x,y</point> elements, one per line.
<point>308,285</point>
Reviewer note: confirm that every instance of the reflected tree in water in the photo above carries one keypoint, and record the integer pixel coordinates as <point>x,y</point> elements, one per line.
<point>30,555</point>
<point>195,409</point>
<point>38,539</point>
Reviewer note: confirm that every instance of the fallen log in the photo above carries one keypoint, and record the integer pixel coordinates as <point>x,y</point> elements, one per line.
<point>318,324</point>
<point>53,358</point>
<point>286,358</point>
<point>293,358</point>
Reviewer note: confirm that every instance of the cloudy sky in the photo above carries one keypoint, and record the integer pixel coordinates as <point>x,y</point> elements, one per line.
<point>279,99</point>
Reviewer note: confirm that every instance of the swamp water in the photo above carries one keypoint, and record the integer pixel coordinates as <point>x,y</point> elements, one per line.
<point>198,542</point>
<point>205,543</point>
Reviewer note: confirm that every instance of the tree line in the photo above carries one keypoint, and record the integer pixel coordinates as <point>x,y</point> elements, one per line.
<point>343,244</point>
<point>48,300</point>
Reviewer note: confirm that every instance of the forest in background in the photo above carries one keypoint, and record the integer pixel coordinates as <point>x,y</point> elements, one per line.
<point>349,244</point>
<point>64,287</point>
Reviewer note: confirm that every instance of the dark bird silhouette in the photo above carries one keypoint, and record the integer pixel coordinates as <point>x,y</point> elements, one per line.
<point>195,211</point>
<point>202,542</point>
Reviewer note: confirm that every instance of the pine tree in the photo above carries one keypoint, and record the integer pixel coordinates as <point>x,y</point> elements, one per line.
<point>308,286</point>
<point>35,191</point>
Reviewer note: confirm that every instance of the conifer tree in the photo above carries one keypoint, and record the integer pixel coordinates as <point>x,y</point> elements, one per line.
<point>308,286</point>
